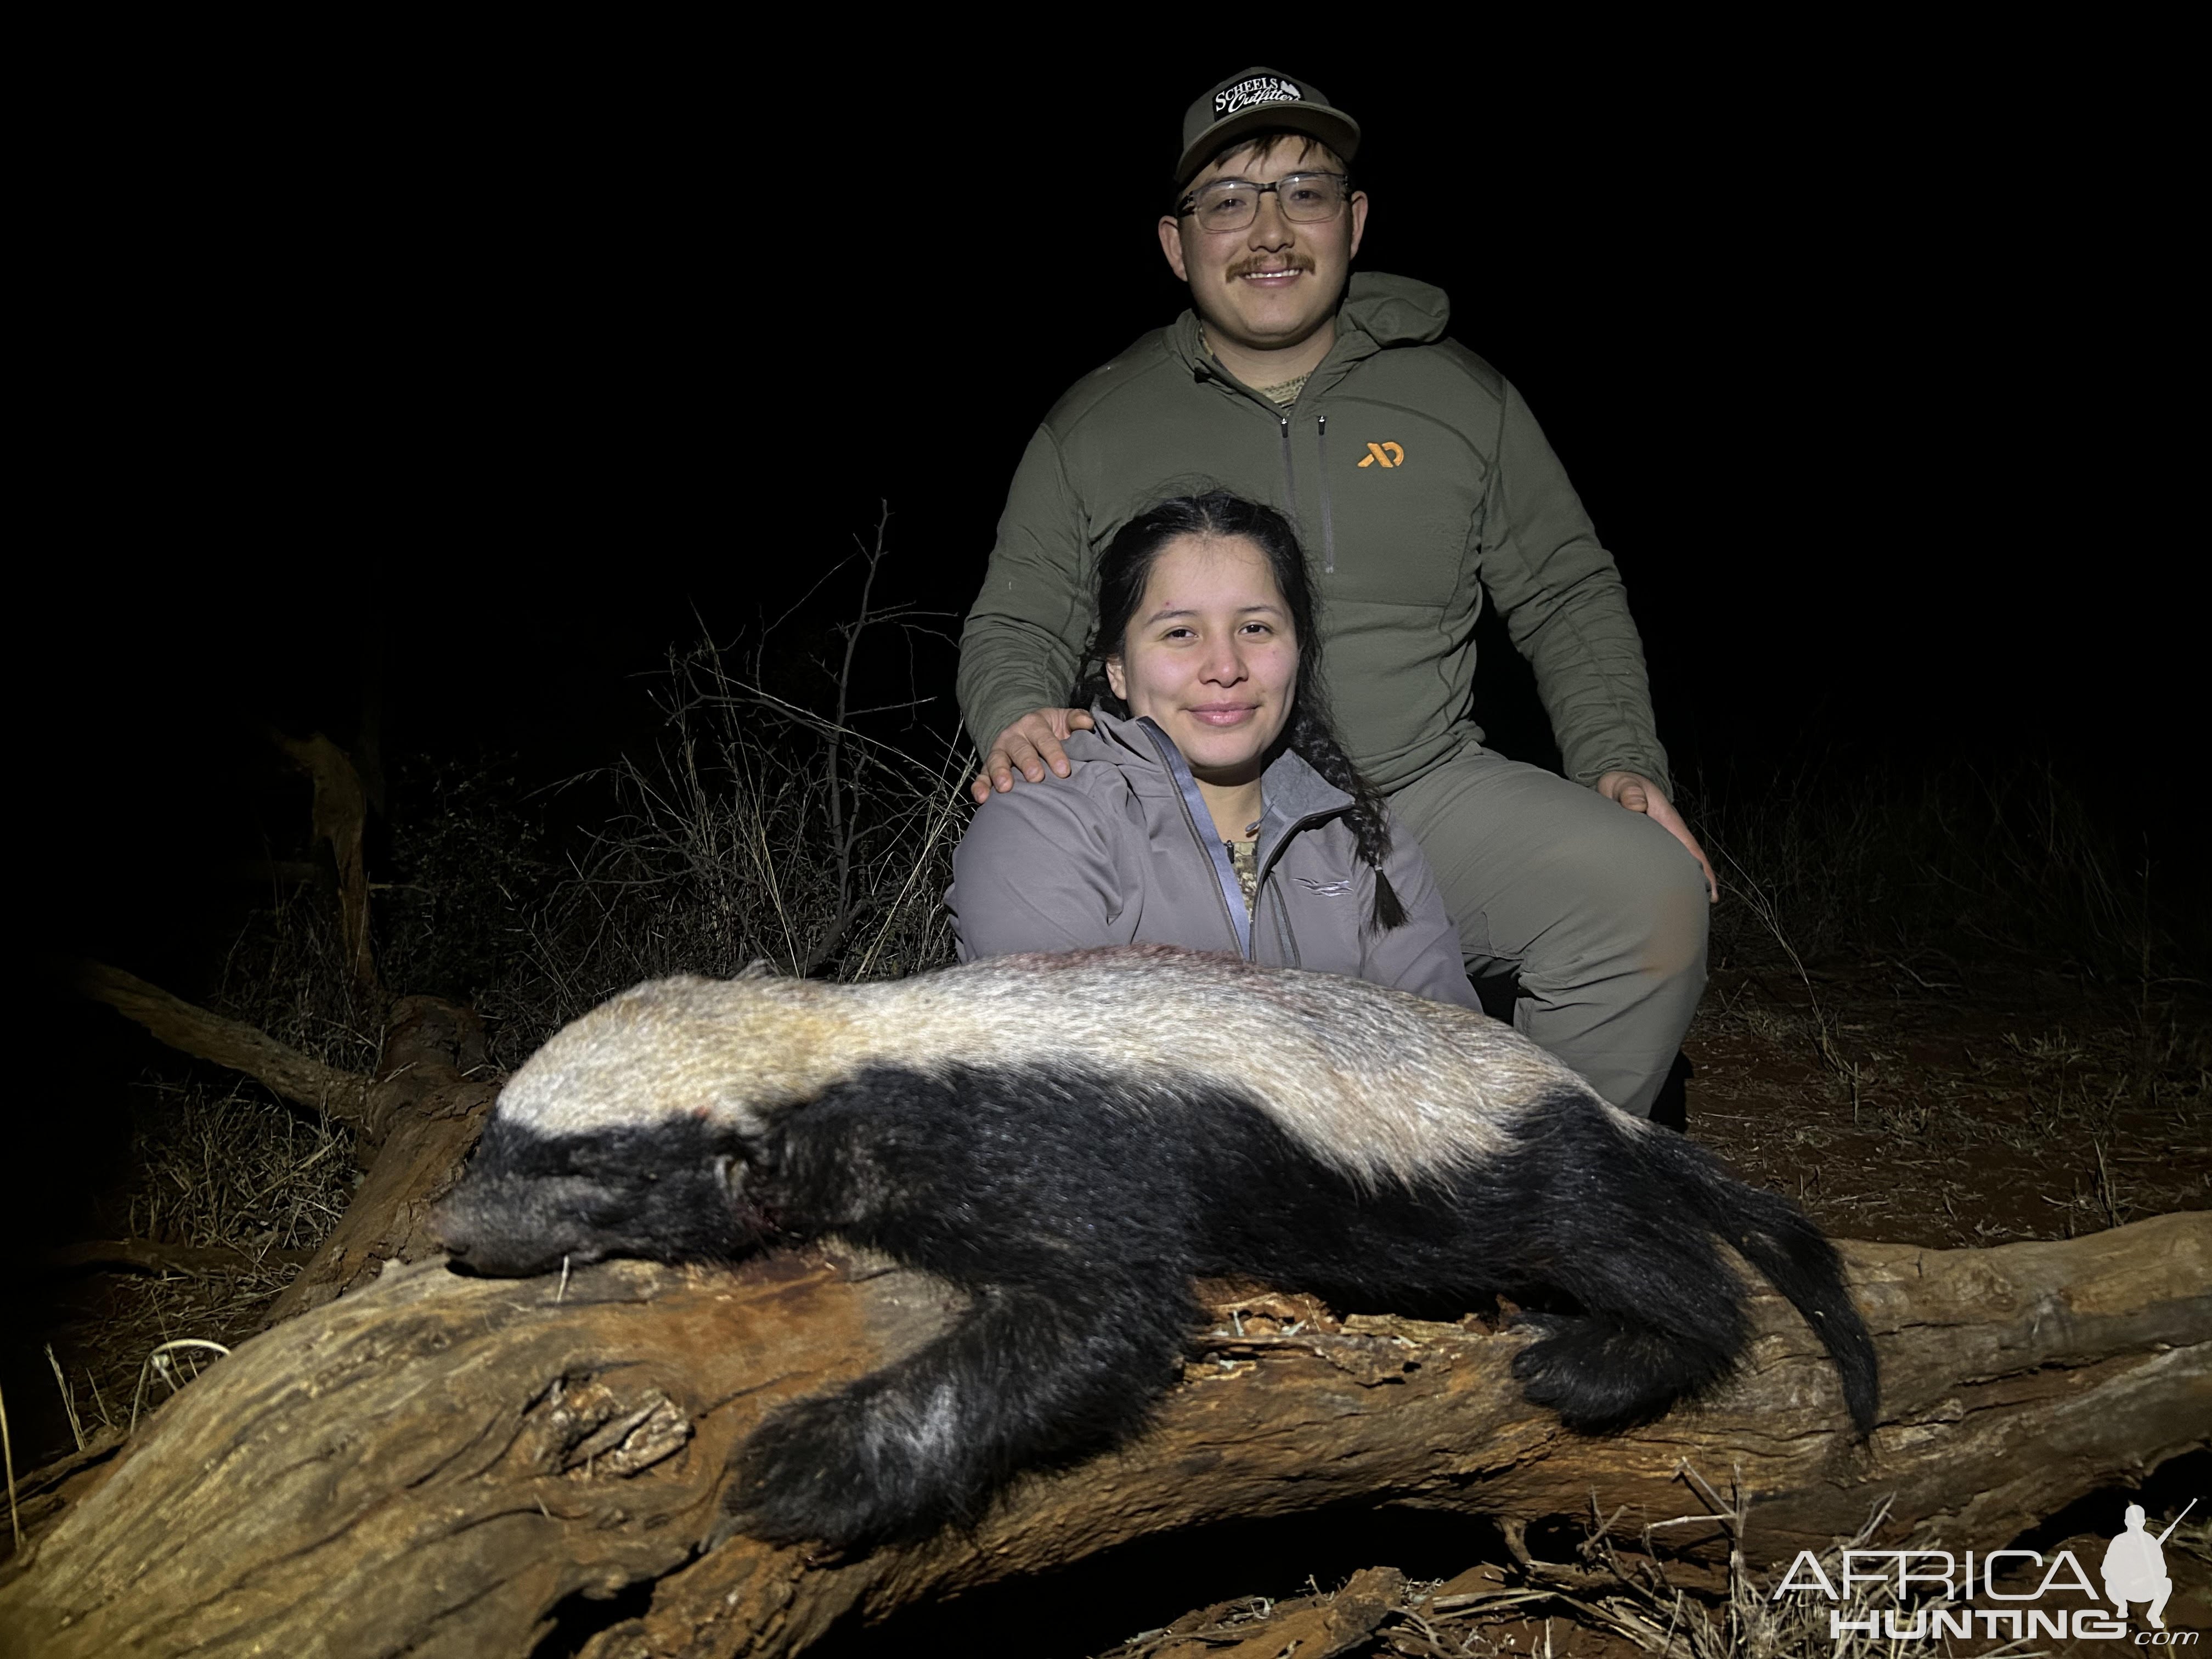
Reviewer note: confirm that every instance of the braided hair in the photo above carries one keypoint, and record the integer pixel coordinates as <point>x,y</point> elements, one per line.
<point>1125,569</point>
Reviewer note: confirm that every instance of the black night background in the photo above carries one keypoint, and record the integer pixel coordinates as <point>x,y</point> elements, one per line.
<point>491,400</point>
<point>430,408</point>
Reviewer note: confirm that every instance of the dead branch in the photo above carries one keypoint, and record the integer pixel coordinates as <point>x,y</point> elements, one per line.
<point>204,1035</point>
<point>341,818</point>
<point>151,1256</point>
<point>436,1464</point>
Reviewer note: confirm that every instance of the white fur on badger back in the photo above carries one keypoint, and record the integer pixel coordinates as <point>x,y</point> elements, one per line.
<point>1351,1070</point>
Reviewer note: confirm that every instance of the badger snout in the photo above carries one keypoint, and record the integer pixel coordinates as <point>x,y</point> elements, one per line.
<point>528,1202</point>
<point>511,1226</point>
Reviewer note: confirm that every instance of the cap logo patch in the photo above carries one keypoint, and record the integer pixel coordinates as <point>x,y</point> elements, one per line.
<point>1259,89</point>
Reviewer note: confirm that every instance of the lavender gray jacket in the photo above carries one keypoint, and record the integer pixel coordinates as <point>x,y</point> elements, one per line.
<point>1122,852</point>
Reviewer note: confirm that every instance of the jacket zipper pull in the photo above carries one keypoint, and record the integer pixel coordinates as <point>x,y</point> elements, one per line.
<point>1327,519</point>
<point>1210,844</point>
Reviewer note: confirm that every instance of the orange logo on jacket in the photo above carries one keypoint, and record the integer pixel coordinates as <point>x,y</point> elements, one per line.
<point>1389,454</point>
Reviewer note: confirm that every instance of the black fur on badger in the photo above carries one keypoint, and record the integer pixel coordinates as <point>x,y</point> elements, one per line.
<point>1073,1139</point>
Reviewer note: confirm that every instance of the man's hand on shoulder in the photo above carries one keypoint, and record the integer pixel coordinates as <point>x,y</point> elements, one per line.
<point>1640,794</point>
<point>1028,746</point>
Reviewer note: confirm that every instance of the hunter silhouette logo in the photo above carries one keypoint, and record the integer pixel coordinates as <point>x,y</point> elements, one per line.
<point>2135,1567</point>
<point>1389,454</point>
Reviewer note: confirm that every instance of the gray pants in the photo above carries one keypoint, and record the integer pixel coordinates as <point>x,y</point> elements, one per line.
<point>1597,911</point>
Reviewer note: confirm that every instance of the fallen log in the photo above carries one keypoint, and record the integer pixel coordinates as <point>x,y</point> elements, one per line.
<point>437,1465</point>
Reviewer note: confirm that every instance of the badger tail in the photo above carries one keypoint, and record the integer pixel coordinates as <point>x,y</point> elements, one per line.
<point>1777,1239</point>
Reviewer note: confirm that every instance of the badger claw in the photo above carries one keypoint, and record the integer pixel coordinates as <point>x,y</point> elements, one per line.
<point>1605,1375</point>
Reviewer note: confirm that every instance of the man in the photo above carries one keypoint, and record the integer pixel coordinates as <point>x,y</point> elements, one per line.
<point>1419,482</point>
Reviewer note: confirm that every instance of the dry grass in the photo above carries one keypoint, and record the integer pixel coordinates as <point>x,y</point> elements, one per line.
<point>1922,868</point>
<point>286,973</point>
<point>219,1163</point>
<point>209,1167</point>
<point>1867,913</point>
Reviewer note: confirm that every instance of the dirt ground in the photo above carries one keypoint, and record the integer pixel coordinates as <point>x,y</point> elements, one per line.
<point>1934,1103</point>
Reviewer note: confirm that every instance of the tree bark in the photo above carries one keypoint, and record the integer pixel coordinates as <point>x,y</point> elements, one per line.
<point>437,1465</point>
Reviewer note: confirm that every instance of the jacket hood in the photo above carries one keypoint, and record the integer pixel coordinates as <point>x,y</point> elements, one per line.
<point>1395,310</point>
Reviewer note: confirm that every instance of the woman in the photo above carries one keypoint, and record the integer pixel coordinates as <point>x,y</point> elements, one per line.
<point>1211,808</point>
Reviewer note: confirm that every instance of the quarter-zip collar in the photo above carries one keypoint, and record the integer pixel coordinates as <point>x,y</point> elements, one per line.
<point>1378,311</point>
<point>1293,797</point>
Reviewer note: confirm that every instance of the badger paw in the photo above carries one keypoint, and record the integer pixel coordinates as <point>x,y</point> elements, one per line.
<point>1602,1376</point>
<point>846,1469</point>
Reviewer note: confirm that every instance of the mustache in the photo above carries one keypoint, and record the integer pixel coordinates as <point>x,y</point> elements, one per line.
<point>1246,267</point>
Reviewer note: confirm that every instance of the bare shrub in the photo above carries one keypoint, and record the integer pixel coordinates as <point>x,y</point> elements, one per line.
<point>758,831</point>
<point>286,973</point>
<point>467,862</point>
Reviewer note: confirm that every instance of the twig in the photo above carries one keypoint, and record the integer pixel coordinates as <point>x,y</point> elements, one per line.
<point>840,835</point>
<point>69,1405</point>
<point>8,1454</point>
<point>159,1360</point>
<point>1762,905</point>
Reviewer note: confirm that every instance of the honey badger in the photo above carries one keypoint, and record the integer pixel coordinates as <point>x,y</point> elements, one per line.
<point>1072,1139</point>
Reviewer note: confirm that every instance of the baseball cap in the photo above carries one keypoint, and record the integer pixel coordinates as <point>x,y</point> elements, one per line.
<point>1260,100</point>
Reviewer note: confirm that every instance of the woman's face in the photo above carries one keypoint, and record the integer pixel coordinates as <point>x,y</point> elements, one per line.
<point>1209,655</point>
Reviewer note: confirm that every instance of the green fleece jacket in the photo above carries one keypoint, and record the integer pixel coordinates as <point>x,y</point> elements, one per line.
<point>1418,480</point>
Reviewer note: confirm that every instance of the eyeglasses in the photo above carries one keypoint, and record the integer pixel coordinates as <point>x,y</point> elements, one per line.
<point>1232,203</point>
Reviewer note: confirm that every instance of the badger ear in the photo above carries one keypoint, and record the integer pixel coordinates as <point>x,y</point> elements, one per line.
<point>758,968</point>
